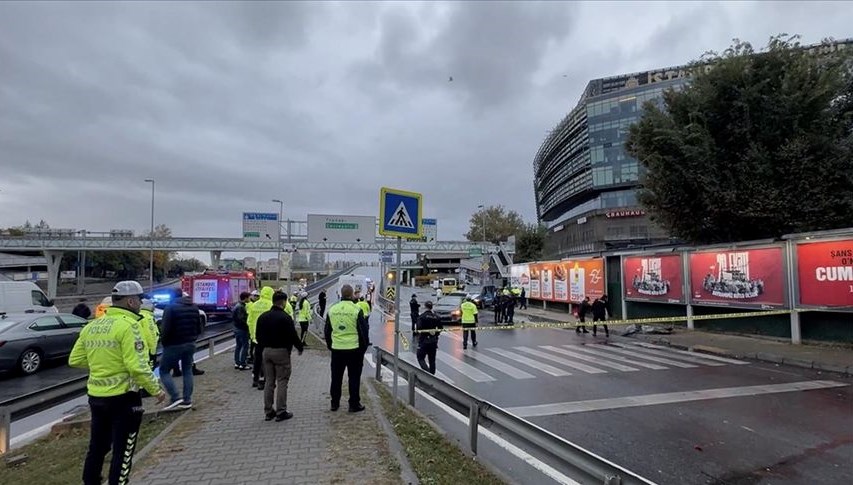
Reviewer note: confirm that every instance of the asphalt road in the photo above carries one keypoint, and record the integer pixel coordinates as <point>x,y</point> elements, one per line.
<point>668,416</point>
<point>13,384</point>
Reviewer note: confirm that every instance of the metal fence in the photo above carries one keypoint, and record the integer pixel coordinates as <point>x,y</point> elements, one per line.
<point>585,466</point>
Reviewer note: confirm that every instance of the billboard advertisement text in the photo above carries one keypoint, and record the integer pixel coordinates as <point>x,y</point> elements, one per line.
<point>825,273</point>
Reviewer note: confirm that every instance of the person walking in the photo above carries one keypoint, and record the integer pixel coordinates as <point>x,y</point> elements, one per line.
<point>113,350</point>
<point>82,310</point>
<point>599,314</point>
<point>321,303</point>
<point>522,302</point>
<point>181,328</point>
<point>415,310</point>
<point>428,341</point>
<point>240,317</point>
<point>277,336</point>
<point>257,309</point>
<point>304,315</point>
<point>347,337</point>
<point>469,322</point>
<point>583,310</point>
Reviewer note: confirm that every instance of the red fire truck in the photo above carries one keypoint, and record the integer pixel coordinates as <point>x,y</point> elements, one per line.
<point>216,292</point>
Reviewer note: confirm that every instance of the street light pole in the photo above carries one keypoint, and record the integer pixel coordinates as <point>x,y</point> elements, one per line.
<point>151,239</point>
<point>280,212</point>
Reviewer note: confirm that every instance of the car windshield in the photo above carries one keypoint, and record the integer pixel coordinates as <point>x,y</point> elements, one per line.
<point>449,301</point>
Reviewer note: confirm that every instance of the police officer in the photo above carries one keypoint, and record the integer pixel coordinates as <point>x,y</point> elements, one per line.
<point>428,341</point>
<point>469,322</point>
<point>113,350</point>
<point>365,309</point>
<point>304,315</point>
<point>150,332</point>
<point>347,336</point>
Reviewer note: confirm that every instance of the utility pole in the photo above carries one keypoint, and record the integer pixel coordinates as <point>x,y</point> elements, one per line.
<point>151,239</point>
<point>280,212</point>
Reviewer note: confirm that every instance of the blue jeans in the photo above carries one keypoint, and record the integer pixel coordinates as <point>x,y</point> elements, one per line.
<point>173,354</point>
<point>241,351</point>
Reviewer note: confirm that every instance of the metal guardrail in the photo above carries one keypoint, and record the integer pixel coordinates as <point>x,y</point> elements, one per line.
<point>32,403</point>
<point>587,466</point>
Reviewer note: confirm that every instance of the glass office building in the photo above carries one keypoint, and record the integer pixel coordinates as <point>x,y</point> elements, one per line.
<point>585,183</point>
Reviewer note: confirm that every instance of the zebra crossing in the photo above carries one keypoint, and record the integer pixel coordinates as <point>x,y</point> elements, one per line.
<point>529,362</point>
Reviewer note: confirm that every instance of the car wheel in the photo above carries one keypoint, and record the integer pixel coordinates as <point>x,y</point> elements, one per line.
<point>30,361</point>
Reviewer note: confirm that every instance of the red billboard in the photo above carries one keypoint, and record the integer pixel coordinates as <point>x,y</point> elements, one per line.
<point>654,277</point>
<point>825,273</point>
<point>741,277</point>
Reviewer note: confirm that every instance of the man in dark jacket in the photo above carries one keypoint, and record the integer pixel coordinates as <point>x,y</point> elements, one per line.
<point>276,334</point>
<point>240,317</point>
<point>599,314</point>
<point>428,341</point>
<point>499,307</point>
<point>583,310</point>
<point>321,303</point>
<point>181,327</point>
<point>82,310</point>
<point>415,309</point>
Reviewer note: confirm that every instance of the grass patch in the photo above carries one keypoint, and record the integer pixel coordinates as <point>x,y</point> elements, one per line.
<point>434,458</point>
<point>57,459</point>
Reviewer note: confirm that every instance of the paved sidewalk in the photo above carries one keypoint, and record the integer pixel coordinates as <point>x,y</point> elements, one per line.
<point>225,440</point>
<point>819,357</point>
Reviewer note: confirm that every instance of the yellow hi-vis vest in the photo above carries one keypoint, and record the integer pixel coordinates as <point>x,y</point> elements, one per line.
<point>468,311</point>
<point>150,332</point>
<point>343,316</point>
<point>111,347</point>
<point>365,308</point>
<point>305,311</point>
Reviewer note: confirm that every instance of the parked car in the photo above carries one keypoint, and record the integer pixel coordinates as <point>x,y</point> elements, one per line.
<point>485,298</point>
<point>27,340</point>
<point>448,309</point>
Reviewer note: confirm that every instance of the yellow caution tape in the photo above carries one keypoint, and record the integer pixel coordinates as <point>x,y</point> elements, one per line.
<point>405,341</point>
<point>632,321</point>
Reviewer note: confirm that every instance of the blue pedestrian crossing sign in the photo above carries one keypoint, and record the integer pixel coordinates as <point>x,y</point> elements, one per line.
<point>400,213</point>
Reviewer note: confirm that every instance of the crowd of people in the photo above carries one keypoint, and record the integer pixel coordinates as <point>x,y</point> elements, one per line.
<point>119,349</point>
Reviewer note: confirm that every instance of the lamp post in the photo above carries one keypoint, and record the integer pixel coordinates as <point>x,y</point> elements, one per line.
<point>280,212</point>
<point>151,239</point>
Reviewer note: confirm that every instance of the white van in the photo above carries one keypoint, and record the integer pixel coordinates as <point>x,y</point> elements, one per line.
<point>24,297</point>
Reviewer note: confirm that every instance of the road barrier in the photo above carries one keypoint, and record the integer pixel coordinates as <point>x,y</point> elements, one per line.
<point>32,403</point>
<point>587,467</point>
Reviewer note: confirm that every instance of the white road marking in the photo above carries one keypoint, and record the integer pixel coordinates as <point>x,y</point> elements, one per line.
<point>608,355</point>
<point>589,358</point>
<point>667,398</point>
<point>467,370</point>
<point>574,365</point>
<point>412,359</point>
<point>640,355</point>
<point>548,369</point>
<point>694,359</point>
<point>522,455</point>
<point>500,366</point>
<point>694,354</point>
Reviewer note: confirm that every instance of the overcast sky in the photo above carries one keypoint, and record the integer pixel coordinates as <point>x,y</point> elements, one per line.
<point>319,104</point>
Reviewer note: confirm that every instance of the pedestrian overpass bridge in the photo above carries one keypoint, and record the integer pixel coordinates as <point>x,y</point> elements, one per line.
<point>54,245</point>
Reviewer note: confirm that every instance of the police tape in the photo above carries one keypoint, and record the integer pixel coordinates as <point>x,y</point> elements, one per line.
<point>630,321</point>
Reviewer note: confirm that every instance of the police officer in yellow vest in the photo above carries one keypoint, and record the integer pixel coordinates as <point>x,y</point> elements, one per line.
<point>304,314</point>
<point>113,350</point>
<point>365,308</point>
<point>150,332</point>
<point>347,336</point>
<point>469,322</point>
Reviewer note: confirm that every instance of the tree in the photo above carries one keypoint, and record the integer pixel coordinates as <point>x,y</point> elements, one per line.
<point>500,224</point>
<point>530,243</point>
<point>161,258</point>
<point>758,145</point>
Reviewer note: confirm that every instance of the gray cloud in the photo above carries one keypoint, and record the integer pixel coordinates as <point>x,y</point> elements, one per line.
<point>228,105</point>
